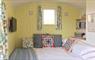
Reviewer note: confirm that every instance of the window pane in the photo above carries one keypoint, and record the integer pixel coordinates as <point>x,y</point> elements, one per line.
<point>0,1</point>
<point>48,16</point>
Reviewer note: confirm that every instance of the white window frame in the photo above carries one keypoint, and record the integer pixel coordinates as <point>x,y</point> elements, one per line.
<point>45,21</point>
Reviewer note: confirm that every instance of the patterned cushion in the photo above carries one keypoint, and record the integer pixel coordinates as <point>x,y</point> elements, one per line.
<point>58,40</point>
<point>27,42</point>
<point>63,42</point>
<point>48,41</point>
<point>68,45</point>
<point>37,41</point>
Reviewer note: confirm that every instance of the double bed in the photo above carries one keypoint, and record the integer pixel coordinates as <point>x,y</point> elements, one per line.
<point>43,54</point>
<point>55,53</point>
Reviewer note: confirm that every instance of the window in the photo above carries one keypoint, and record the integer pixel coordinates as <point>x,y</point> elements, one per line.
<point>49,17</point>
<point>91,18</point>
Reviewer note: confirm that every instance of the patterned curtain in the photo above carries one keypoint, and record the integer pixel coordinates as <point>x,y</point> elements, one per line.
<point>39,22</point>
<point>59,18</point>
<point>3,32</point>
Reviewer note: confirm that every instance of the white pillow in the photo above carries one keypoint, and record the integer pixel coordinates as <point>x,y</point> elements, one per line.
<point>27,42</point>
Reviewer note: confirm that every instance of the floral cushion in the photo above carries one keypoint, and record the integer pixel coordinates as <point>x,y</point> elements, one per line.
<point>27,42</point>
<point>47,41</point>
<point>68,45</point>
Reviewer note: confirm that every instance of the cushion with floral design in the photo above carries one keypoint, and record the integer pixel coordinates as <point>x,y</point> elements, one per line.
<point>68,45</point>
<point>47,41</point>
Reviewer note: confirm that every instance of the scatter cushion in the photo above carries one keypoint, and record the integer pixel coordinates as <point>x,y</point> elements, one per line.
<point>37,41</point>
<point>58,41</point>
<point>69,44</point>
<point>47,41</point>
<point>27,42</point>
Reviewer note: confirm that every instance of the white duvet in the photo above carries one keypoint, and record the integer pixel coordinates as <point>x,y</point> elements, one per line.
<point>84,50</point>
<point>80,51</point>
<point>55,54</point>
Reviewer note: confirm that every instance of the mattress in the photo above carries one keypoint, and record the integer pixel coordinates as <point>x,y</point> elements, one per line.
<point>55,54</point>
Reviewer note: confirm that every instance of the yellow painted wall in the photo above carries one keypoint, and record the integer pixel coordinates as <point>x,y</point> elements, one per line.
<point>27,24</point>
<point>11,36</point>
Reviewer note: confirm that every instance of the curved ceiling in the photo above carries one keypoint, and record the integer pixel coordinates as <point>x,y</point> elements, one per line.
<point>76,3</point>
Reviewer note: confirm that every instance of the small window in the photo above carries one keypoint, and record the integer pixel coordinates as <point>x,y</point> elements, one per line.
<point>48,17</point>
<point>91,18</point>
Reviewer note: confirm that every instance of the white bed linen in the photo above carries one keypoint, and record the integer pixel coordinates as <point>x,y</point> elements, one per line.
<point>55,54</point>
<point>80,47</point>
<point>85,50</point>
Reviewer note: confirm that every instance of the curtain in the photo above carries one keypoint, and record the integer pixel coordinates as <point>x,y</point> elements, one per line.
<point>59,18</point>
<point>3,32</point>
<point>39,22</point>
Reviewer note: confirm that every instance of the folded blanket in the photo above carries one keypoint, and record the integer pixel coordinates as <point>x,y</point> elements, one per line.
<point>23,54</point>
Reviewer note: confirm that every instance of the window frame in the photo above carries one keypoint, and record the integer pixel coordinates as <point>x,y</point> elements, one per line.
<point>55,21</point>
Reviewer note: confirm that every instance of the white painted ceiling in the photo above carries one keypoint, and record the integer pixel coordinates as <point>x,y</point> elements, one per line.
<point>76,3</point>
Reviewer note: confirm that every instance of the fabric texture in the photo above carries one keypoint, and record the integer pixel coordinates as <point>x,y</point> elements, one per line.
<point>3,32</point>
<point>63,42</point>
<point>27,42</point>
<point>39,21</point>
<point>68,45</point>
<point>48,40</point>
<point>37,41</point>
<point>23,54</point>
<point>54,54</point>
<point>59,18</point>
<point>88,54</point>
<point>57,40</point>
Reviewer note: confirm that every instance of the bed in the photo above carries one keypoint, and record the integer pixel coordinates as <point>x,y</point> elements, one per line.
<point>43,54</point>
<point>80,51</point>
<point>55,54</point>
<point>49,47</point>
